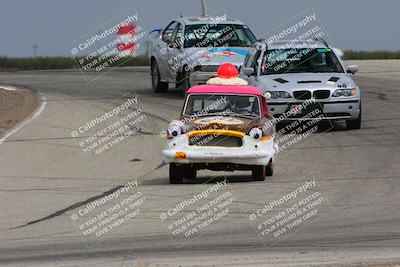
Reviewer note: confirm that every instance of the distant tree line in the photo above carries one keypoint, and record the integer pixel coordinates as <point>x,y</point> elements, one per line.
<point>43,63</point>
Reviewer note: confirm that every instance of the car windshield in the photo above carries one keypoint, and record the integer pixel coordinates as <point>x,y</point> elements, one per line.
<point>304,60</point>
<point>214,104</point>
<point>218,35</point>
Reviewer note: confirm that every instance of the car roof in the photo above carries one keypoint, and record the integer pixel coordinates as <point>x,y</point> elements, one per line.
<point>285,44</point>
<point>208,20</point>
<point>225,89</point>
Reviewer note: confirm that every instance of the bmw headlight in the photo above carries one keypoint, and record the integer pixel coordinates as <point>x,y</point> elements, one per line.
<point>256,133</point>
<point>344,92</point>
<point>279,94</point>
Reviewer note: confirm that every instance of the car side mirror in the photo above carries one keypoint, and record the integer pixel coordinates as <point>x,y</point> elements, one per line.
<point>352,69</point>
<point>248,71</point>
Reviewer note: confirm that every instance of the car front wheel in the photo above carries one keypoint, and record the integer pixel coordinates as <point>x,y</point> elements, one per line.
<point>184,81</point>
<point>354,124</point>
<point>269,171</point>
<point>190,173</point>
<point>258,173</point>
<point>176,173</point>
<point>156,83</point>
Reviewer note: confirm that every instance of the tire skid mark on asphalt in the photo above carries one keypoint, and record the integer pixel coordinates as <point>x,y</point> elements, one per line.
<point>379,95</point>
<point>162,101</point>
<point>140,132</point>
<point>152,115</point>
<point>81,203</point>
<point>71,207</point>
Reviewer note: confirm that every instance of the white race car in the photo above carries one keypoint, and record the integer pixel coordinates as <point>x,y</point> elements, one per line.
<point>295,72</point>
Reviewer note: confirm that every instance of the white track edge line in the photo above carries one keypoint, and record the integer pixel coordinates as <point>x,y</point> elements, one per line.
<point>43,103</point>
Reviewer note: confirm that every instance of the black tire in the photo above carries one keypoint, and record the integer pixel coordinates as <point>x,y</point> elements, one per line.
<point>184,81</point>
<point>156,83</point>
<point>190,173</point>
<point>258,173</point>
<point>176,173</point>
<point>269,169</point>
<point>354,124</point>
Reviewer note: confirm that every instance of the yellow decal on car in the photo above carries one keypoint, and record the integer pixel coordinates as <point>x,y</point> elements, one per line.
<point>216,132</point>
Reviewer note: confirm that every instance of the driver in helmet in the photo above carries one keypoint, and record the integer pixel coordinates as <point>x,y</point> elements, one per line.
<point>243,106</point>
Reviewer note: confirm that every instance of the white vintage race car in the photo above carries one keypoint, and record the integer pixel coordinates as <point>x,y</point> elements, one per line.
<point>222,128</point>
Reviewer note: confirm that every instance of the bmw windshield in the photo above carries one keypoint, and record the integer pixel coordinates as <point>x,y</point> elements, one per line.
<point>304,60</point>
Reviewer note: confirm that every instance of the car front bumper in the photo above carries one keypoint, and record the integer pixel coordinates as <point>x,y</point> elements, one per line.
<point>252,152</point>
<point>331,110</point>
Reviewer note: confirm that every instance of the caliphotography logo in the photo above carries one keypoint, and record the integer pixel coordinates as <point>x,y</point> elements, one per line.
<point>109,45</point>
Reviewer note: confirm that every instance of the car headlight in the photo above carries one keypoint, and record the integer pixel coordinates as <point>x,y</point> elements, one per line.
<point>279,94</point>
<point>256,133</point>
<point>344,92</point>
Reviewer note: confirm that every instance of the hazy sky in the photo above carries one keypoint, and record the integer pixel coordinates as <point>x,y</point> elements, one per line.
<point>52,24</point>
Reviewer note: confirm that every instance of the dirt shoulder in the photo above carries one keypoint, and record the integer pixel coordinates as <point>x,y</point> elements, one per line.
<point>15,106</point>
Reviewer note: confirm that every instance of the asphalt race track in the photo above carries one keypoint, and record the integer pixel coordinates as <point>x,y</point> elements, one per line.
<point>44,176</point>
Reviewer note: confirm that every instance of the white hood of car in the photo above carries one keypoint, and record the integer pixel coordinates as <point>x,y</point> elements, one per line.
<point>304,81</point>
